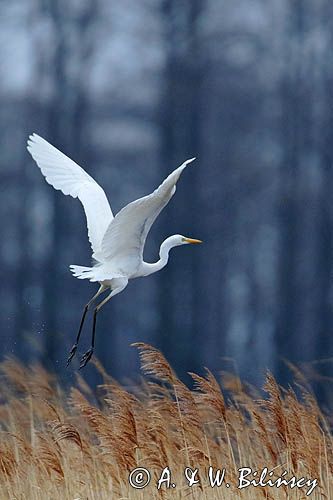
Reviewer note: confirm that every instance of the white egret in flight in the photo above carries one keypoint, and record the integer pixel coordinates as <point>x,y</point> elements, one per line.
<point>117,242</point>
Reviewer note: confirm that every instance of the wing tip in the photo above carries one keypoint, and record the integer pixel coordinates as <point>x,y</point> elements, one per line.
<point>187,162</point>
<point>32,139</point>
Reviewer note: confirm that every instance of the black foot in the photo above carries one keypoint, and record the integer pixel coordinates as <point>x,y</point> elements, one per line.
<point>86,357</point>
<point>72,353</point>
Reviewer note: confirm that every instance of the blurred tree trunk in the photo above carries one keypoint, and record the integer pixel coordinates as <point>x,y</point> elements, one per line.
<point>57,126</point>
<point>324,273</point>
<point>180,130</point>
<point>65,123</point>
<point>24,267</point>
<point>292,128</point>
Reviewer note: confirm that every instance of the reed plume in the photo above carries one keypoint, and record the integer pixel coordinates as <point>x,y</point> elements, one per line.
<point>84,443</point>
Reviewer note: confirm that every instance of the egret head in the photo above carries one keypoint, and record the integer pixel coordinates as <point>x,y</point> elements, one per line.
<point>179,239</point>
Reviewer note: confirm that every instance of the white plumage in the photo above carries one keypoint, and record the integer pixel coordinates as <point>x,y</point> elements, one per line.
<point>67,176</point>
<point>117,242</point>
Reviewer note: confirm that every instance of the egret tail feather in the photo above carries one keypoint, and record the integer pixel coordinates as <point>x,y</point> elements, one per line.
<point>79,271</point>
<point>94,274</point>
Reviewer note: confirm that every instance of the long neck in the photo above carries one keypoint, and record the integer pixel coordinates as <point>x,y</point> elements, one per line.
<point>163,260</point>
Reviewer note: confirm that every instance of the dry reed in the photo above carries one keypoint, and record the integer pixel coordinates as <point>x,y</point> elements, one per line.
<point>59,445</point>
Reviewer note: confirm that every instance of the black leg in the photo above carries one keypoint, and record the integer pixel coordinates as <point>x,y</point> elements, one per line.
<point>87,356</point>
<point>73,350</point>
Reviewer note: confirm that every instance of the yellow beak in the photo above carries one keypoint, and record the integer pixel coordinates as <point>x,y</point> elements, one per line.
<point>191,240</point>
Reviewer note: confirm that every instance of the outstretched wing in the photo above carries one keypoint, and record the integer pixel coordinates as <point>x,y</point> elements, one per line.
<point>126,235</point>
<point>65,175</point>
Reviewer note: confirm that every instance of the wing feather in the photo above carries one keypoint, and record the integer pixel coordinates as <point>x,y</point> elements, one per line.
<point>126,234</point>
<point>66,176</point>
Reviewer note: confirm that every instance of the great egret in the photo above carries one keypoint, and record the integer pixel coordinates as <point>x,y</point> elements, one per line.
<point>117,242</point>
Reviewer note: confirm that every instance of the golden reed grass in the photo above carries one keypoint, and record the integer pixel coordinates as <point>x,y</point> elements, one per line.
<point>83,445</point>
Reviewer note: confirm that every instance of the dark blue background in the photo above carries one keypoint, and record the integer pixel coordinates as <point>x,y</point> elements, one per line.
<point>130,90</point>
